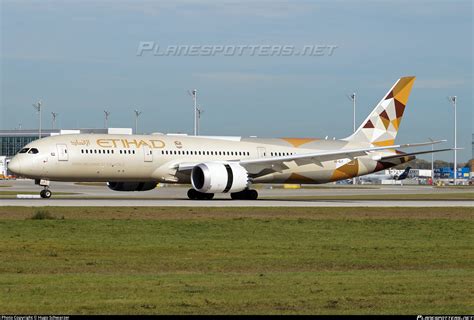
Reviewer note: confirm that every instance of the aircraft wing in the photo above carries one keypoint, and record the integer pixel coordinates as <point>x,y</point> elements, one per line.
<point>277,164</point>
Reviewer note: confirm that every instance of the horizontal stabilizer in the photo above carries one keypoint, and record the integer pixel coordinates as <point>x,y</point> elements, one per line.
<point>412,154</point>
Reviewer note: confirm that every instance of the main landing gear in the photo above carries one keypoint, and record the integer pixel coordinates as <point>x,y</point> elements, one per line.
<point>196,195</point>
<point>45,193</point>
<point>247,194</point>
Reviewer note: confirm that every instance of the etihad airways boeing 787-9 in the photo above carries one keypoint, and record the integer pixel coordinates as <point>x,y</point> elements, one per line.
<point>216,164</point>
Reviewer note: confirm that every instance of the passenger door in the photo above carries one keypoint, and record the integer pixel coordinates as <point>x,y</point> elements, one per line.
<point>148,154</point>
<point>62,152</point>
<point>261,152</point>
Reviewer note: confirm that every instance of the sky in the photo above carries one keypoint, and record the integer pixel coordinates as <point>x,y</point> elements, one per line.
<point>80,58</point>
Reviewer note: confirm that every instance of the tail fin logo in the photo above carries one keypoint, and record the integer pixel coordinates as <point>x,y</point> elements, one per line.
<point>381,126</point>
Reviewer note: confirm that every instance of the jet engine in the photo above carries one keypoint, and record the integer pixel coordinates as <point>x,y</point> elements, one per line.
<point>131,186</point>
<point>215,177</point>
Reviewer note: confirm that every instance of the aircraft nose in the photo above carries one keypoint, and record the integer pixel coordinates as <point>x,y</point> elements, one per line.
<point>15,165</point>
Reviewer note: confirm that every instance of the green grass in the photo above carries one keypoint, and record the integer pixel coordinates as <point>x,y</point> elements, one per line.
<point>237,260</point>
<point>42,214</point>
<point>407,196</point>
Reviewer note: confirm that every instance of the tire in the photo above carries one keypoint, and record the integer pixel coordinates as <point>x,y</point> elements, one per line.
<point>244,195</point>
<point>252,195</point>
<point>235,196</point>
<point>208,196</point>
<point>45,194</point>
<point>192,194</point>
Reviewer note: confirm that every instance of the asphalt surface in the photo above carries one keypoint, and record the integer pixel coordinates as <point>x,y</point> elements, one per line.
<point>100,195</point>
<point>229,203</point>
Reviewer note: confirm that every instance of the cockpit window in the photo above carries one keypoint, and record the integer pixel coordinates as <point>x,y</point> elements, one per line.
<point>33,150</point>
<point>24,150</point>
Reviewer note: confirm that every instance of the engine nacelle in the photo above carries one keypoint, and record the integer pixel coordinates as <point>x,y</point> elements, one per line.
<point>131,186</point>
<point>214,177</point>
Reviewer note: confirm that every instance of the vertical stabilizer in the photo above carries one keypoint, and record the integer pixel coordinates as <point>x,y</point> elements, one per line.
<point>381,126</point>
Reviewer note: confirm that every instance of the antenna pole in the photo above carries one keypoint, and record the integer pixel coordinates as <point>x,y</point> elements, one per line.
<point>352,97</point>
<point>453,100</point>
<point>37,106</point>
<point>106,119</point>
<point>137,113</point>
<point>199,112</point>
<point>432,164</point>
<point>53,124</point>
<point>195,112</point>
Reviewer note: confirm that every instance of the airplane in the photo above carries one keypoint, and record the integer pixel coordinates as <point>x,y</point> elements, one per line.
<point>220,164</point>
<point>391,176</point>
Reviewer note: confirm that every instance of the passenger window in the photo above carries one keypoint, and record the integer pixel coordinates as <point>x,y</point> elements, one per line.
<point>24,150</point>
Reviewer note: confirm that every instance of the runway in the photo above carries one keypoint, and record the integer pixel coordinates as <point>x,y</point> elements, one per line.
<point>79,195</point>
<point>229,203</point>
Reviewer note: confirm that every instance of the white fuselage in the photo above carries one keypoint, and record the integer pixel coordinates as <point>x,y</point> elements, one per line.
<point>94,157</point>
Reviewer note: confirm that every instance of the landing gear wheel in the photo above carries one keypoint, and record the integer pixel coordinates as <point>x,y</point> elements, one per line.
<point>245,195</point>
<point>252,195</point>
<point>196,195</point>
<point>208,196</point>
<point>236,196</point>
<point>45,194</point>
<point>192,194</point>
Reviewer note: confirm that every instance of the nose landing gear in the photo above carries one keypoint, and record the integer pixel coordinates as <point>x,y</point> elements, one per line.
<point>45,193</point>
